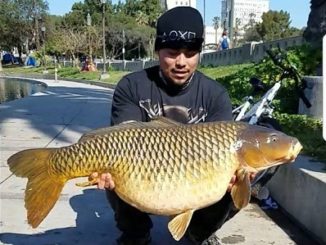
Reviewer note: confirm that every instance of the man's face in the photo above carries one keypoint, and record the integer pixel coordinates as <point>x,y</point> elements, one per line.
<point>178,64</point>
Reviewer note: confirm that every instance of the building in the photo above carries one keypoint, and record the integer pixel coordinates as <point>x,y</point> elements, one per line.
<point>212,36</point>
<point>169,4</point>
<point>236,14</point>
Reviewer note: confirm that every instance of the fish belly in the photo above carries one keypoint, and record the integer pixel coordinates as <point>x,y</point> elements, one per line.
<point>168,195</point>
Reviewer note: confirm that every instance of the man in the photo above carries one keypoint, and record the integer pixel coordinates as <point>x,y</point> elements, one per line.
<point>173,89</point>
<point>224,42</point>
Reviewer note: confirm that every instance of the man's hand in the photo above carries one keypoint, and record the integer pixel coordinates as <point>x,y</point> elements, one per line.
<point>234,180</point>
<point>104,180</point>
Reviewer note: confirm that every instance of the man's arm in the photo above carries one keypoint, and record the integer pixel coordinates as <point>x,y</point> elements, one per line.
<point>220,108</point>
<point>125,105</point>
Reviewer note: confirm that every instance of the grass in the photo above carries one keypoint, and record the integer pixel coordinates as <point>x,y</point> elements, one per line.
<point>115,76</point>
<point>222,71</point>
<point>66,72</point>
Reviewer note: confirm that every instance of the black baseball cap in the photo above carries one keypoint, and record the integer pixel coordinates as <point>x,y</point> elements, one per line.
<point>180,27</point>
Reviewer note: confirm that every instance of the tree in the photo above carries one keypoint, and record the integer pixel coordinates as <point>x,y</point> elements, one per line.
<point>276,25</point>
<point>236,32</point>
<point>316,26</point>
<point>20,22</point>
<point>68,34</point>
<point>251,35</point>
<point>250,30</point>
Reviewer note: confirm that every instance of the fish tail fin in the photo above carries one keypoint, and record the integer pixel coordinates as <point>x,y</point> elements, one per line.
<point>42,190</point>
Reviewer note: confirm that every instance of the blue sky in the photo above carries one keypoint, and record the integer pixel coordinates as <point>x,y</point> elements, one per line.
<point>299,10</point>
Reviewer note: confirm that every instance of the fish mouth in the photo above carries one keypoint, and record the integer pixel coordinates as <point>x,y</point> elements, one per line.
<point>292,155</point>
<point>296,148</point>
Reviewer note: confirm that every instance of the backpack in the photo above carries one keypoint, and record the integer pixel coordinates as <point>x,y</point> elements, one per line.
<point>225,43</point>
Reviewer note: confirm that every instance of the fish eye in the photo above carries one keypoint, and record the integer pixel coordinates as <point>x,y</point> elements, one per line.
<point>272,138</point>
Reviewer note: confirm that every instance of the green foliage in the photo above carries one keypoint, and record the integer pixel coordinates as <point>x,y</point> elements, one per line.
<point>305,58</point>
<point>68,72</point>
<point>307,130</point>
<point>17,21</point>
<point>41,58</point>
<point>135,17</point>
<point>275,25</point>
<point>251,35</point>
<point>222,71</point>
<point>145,12</point>
<point>287,98</point>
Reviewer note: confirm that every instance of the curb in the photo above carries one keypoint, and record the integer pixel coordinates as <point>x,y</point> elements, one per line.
<point>303,195</point>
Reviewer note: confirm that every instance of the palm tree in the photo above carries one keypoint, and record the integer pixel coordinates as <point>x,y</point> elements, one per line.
<point>236,33</point>
<point>216,24</point>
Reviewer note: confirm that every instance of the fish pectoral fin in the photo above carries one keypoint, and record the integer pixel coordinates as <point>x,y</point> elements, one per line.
<point>179,224</point>
<point>241,190</point>
<point>91,181</point>
<point>163,122</point>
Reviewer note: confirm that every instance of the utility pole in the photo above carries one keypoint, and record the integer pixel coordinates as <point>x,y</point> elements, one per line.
<point>231,24</point>
<point>204,22</point>
<point>104,74</point>
<point>103,30</point>
<point>123,45</point>
<point>204,12</point>
<point>89,24</point>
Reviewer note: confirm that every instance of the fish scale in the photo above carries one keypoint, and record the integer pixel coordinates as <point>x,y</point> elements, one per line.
<point>160,167</point>
<point>181,165</point>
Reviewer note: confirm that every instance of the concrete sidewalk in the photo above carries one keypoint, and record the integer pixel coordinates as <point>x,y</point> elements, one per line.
<point>58,117</point>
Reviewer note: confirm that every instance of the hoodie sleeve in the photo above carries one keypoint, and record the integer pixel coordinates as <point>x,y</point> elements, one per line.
<point>220,108</point>
<point>125,103</point>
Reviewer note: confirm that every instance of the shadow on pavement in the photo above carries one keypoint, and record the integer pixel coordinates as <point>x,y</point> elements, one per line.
<point>78,108</point>
<point>94,225</point>
<point>282,220</point>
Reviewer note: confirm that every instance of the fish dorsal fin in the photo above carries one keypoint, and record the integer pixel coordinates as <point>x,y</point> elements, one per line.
<point>157,122</point>
<point>179,224</point>
<point>241,190</point>
<point>163,122</point>
<point>95,133</point>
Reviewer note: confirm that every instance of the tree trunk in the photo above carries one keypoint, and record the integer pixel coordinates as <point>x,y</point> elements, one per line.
<point>316,28</point>
<point>75,60</point>
<point>0,66</point>
<point>36,27</point>
<point>20,51</point>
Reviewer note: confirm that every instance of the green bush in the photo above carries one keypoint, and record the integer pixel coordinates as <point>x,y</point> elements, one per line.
<point>303,57</point>
<point>307,130</point>
<point>68,71</point>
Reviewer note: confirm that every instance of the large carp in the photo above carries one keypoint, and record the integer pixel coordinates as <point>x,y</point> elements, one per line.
<point>160,167</point>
